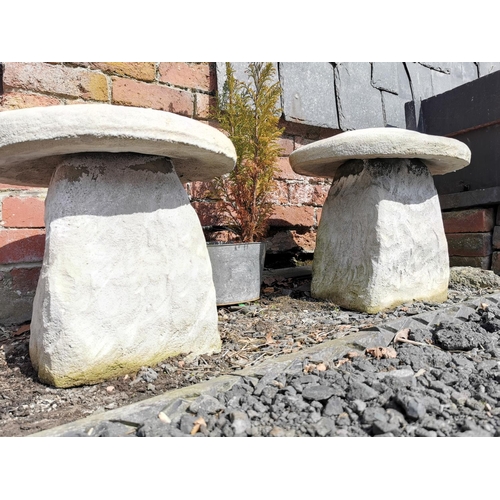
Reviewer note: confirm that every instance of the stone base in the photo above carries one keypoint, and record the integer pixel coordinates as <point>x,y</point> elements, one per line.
<point>381,240</point>
<point>126,279</point>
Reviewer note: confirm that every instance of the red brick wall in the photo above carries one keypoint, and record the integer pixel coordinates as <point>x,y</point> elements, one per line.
<point>184,88</point>
<point>470,237</point>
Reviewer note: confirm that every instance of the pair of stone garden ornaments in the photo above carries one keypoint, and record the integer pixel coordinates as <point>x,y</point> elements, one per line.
<point>126,277</point>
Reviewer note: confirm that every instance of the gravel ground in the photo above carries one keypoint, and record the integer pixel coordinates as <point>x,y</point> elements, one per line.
<point>434,381</point>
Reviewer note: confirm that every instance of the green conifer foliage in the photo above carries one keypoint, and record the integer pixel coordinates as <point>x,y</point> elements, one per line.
<point>249,113</point>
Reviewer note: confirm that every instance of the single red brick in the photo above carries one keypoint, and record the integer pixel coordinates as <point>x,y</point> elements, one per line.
<point>21,245</point>
<point>292,216</point>
<point>23,212</point>
<point>25,279</point>
<point>16,100</point>
<point>284,171</point>
<point>301,193</point>
<point>287,144</point>
<point>481,262</point>
<point>475,220</point>
<point>306,241</point>
<point>147,95</point>
<point>279,193</point>
<point>469,244</point>
<point>496,237</point>
<point>320,194</point>
<point>204,105</point>
<point>182,74</point>
<point>140,70</point>
<point>56,79</point>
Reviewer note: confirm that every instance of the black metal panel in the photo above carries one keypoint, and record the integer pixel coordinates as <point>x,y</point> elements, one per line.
<point>484,169</point>
<point>471,105</point>
<point>471,114</point>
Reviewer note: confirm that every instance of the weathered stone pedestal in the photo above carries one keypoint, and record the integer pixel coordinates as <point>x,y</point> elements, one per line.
<point>381,239</point>
<point>126,278</point>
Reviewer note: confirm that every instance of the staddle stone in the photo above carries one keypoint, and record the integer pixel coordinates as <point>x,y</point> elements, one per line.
<point>126,279</point>
<point>381,239</point>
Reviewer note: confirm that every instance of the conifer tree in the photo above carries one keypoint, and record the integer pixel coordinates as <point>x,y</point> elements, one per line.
<point>249,112</point>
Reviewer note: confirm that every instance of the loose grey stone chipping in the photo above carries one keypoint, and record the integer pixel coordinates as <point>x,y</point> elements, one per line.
<point>206,405</point>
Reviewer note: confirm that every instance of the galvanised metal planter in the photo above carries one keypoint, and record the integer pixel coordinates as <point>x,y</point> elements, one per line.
<point>237,271</point>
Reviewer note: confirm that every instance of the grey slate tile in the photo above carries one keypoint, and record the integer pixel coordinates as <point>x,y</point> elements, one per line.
<point>309,93</point>
<point>385,76</point>
<point>359,104</point>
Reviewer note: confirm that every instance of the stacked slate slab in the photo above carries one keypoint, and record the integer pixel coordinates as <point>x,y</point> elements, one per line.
<point>454,99</point>
<point>354,95</point>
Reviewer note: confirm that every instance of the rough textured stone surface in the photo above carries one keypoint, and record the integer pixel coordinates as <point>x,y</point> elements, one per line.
<point>323,158</point>
<point>381,240</point>
<point>126,278</point>
<point>466,277</point>
<point>31,140</point>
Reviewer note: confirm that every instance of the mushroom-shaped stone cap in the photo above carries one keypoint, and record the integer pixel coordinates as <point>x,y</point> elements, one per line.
<point>33,139</point>
<point>323,158</point>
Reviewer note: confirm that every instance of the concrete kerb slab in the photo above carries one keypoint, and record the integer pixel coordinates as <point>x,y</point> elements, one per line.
<point>132,416</point>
